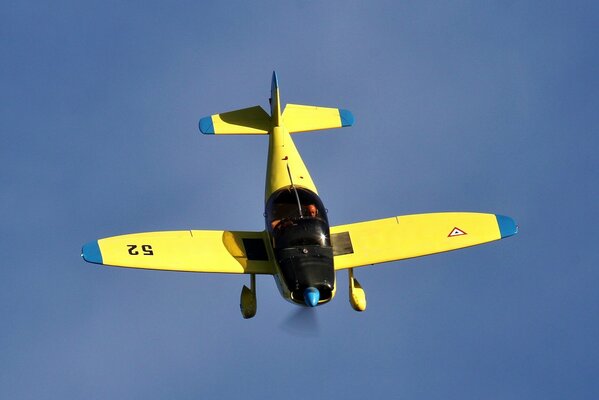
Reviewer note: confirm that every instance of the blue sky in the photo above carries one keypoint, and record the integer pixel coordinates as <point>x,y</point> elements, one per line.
<point>461,106</point>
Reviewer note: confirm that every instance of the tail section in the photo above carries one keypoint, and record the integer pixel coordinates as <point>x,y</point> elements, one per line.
<point>298,118</point>
<point>248,121</point>
<point>295,118</point>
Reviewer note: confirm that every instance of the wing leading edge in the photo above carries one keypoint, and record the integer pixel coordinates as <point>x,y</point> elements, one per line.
<point>190,251</point>
<point>409,236</point>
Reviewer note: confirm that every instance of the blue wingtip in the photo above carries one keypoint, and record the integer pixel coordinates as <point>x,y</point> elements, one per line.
<point>275,81</point>
<point>507,226</point>
<point>311,296</point>
<point>206,126</point>
<point>91,252</point>
<point>347,118</point>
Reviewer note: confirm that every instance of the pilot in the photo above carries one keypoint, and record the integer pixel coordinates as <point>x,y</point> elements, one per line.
<point>312,211</point>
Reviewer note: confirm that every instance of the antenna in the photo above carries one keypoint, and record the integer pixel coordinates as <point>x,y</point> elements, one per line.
<point>299,205</point>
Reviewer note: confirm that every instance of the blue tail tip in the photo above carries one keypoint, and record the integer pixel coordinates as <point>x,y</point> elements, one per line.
<point>347,118</point>
<point>311,296</point>
<point>507,226</point>
<point>206,126</point>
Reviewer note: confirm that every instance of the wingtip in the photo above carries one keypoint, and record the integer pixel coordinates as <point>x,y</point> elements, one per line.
<point>91,253</point>
<point>347,118</point>
<point>507,226</point>
<point>206,126</point>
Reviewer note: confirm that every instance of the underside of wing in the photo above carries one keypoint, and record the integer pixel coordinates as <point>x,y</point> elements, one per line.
<point>409,236</point>
<point>190,251</point>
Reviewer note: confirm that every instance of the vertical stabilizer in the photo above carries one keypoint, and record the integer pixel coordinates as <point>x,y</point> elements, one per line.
<point>275,102</point>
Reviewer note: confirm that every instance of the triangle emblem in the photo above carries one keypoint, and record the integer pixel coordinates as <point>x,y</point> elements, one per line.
<point>456,232</point>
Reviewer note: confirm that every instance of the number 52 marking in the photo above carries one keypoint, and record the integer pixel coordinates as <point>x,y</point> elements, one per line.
<point>145,248</point>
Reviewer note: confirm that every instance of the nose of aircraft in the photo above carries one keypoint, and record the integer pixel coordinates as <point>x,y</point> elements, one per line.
<point>311,296</point>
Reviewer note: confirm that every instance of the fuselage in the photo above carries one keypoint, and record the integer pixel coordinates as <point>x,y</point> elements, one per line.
<point>296,220</point>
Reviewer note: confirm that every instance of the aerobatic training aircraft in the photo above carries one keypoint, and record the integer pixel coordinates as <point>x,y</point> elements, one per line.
<point>298,247</point>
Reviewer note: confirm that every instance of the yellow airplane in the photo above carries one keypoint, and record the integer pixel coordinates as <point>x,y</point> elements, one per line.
<point>298,246</point>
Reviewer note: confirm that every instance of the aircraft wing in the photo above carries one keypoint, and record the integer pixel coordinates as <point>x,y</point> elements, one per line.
<point>408,236</point>
<point>233,252</point>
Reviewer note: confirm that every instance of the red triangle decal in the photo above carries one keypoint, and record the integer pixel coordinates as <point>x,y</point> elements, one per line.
<point>456,232</point>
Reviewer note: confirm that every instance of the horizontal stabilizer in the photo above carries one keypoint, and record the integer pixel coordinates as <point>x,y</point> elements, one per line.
<point>248,121</point>
<point>189,251</point>
<point>299,118</point>
<point>409,236</point>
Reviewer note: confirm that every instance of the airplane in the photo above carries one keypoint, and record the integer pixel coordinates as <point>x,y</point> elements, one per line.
<point>298,246</point>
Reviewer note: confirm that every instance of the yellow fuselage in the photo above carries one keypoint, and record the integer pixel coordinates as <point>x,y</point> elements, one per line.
<point>307,261</point>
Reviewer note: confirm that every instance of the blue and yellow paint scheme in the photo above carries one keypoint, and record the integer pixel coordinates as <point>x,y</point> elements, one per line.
<point>298,246</point>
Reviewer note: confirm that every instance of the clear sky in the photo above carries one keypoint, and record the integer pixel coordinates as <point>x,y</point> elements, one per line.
<point>459,106</point>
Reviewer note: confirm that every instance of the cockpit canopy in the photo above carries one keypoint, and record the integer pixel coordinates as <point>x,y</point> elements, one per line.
<point>294,204</point>
<point>297,217</point>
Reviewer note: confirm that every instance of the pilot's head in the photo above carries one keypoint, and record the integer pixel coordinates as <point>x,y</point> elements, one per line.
<point>312,211</point>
